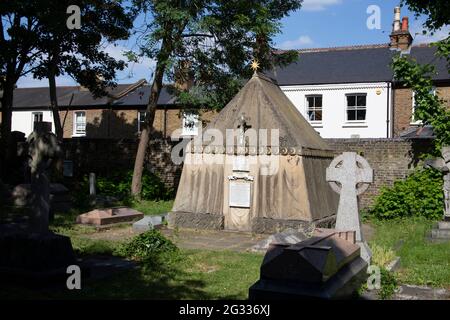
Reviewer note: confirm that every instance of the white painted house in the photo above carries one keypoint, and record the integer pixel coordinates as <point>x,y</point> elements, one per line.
<point>357,110</point>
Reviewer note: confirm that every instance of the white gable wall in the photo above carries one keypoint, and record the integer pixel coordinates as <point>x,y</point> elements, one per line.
<point>334,122</point>
<point>23,120</point>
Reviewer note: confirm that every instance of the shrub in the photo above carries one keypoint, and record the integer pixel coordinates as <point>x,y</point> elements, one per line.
<point>389,284</point>
<point>381,256</point>
<point>148,245</point>
<point>419,195</point>
<point>119,184</point>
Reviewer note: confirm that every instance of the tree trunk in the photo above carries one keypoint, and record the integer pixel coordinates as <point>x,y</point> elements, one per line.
<point>146,132</point>
<point>54,102</point>
<point>7,101</point>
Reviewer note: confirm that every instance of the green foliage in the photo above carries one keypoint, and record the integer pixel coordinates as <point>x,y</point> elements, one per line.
<point>118,185</point>
<point>420,195</point>
<point>389,284</point>
<point>219,38</point>
<point>147,246</point>
<point>429,108</point>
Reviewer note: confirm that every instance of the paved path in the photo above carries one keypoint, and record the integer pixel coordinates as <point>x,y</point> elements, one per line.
<point>189,239</point>
<point>213,240</point>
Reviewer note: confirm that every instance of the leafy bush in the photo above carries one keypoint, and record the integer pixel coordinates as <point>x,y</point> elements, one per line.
<point>148,245</point>
<point>389,284</point>
<point>420,195</point>
<point>119,184</point>
<point>381,256</point>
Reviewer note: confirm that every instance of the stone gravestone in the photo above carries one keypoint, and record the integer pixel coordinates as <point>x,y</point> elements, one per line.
<point>350,175</point>
<point>442,230</point>
<point>36,253</point>
<point>43,149</point>
<point>325,266</point>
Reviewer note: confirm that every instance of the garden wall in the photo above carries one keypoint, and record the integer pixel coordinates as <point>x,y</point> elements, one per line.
<point>104,156</point>
<point>391,159</point>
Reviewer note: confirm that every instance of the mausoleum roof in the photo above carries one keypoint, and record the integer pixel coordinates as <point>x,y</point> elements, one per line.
<point>265,106</point>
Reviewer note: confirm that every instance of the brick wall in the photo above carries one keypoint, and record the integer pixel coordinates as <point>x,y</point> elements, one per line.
<point>391,159</point>
<point>105,156</point>
<point>403,106</point>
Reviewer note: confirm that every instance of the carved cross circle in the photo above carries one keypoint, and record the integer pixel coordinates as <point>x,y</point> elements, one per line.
<point>350,171</point>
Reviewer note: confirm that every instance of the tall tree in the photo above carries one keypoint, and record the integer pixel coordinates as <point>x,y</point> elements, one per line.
<point>78,52</point>
<point>217,39</point>
<point>17,55</point>
<point>429,108</point>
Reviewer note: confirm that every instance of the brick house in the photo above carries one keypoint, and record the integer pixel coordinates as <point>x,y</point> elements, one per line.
<point>118,115</point>
<point>344,92</point>
<point>350,92</point>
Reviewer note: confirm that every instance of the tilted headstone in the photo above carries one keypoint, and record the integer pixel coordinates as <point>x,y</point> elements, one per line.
<point>43,148</point>
<point>349,175</point>
<point>442,231</point>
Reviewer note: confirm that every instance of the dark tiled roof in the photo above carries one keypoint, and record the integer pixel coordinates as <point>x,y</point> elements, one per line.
<point>121,95</point>
<point>425,132</point>
<point>368,63</point>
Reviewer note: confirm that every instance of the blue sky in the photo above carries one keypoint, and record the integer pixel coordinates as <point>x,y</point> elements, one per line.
<point>318,24</point>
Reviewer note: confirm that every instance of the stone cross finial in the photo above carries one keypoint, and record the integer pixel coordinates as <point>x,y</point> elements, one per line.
<point>242,128</point>
<point>350,175</point>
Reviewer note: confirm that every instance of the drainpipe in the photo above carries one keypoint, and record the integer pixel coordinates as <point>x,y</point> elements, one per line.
<point>388,110</point>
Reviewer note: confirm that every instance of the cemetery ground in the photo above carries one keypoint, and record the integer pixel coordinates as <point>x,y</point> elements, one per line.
<point>210,272</point>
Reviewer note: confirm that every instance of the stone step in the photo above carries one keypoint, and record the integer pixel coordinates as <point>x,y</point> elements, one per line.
<point>440,233</point>
<point>444,225</point>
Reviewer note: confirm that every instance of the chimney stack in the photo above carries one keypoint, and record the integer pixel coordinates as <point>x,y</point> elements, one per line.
<point>401,39</point>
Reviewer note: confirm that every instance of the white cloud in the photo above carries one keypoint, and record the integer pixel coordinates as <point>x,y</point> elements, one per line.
<point>298,43</point>
<point>318,5</point>
<point>419,38</point>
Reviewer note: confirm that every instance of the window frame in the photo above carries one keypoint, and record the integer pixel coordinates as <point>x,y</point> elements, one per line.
<point>413,108</point>
<point>314,109</point>
<point>356,107</point>
<point>193,132</point>
<point>139,119</point>
<point>75,133</point>
<point>41,113</point>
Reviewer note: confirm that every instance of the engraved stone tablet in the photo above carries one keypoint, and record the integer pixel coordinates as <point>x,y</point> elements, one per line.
<point>239,194</point>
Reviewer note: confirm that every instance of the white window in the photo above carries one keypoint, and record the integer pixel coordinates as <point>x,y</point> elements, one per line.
<point>36,117</point>
<point>413,110</point>
<point>141,120</point>
<point>314,108</point>
<point>79,123</point>
<point>356,107</point>
<point>190,124</point>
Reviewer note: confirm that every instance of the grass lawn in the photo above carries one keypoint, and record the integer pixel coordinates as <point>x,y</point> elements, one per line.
<point>422,262</point>
<point>150,207</point>
<point>191,274</point>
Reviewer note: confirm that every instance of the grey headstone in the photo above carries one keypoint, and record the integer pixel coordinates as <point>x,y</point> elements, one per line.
<point>149,223</point>
<point>354,174</point>
<point>288,236</point>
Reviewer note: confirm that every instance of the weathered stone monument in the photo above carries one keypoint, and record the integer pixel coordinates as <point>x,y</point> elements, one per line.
<point>269,178</point>
<point>35,251</point>
<point>325,266</point>
<point>350,175</point>
<point>442,230</point>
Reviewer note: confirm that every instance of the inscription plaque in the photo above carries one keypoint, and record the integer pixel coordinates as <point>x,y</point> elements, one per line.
<point>239,194</point>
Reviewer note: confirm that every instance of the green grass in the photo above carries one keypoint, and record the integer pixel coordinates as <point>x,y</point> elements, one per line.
<point>422,262</point>
<point>151,207</point>
<point>192,274</point>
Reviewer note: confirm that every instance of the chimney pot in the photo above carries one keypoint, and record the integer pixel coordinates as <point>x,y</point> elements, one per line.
<point>405,24</point>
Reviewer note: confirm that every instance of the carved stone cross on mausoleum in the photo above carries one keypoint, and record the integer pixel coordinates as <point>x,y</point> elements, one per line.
<point>242,125</point>
<point>350,175</point>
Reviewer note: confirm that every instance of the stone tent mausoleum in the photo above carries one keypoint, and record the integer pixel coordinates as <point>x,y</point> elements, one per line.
<point>271,177</point>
